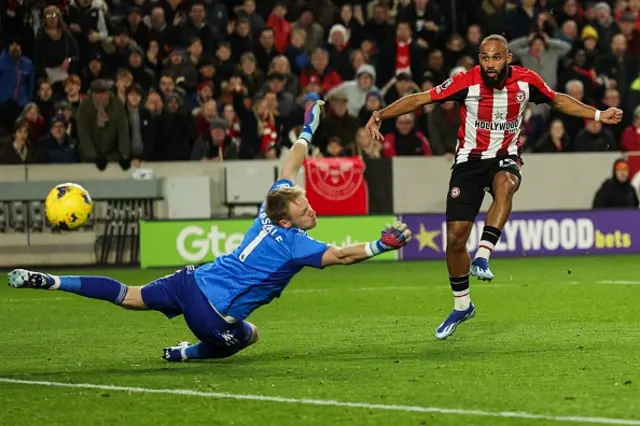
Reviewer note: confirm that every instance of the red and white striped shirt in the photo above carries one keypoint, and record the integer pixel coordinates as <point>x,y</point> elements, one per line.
<point>491,118</point>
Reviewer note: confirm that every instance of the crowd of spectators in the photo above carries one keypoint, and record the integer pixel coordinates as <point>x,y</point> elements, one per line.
<point>129,81</point>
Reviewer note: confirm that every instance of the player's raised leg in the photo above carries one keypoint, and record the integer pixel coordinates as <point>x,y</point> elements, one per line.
<point>504,186</point>
<point>94,287</point>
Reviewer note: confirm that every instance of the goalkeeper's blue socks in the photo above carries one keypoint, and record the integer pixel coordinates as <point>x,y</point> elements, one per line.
<point>102,288</point>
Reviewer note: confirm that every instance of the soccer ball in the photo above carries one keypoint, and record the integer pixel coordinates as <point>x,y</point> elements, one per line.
<point>68,206</point>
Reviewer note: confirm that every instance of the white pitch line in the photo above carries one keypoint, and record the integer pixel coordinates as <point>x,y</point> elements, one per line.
<point>618,282</point>
<point>332,403</point>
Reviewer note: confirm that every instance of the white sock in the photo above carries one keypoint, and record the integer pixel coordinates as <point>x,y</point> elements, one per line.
<point>461,300</point>
<point>56,280</point>
<point>484,249</point>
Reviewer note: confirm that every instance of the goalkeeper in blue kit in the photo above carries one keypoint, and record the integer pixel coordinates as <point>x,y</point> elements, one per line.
<point>216,298</point>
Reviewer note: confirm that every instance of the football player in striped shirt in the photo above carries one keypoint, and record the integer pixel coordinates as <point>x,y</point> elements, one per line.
<point>493,97</point>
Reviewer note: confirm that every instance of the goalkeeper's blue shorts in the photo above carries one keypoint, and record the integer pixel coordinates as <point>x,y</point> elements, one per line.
<point>178,294</point>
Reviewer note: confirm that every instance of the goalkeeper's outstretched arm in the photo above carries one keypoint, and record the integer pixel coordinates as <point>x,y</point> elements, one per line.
<point>298,151</point>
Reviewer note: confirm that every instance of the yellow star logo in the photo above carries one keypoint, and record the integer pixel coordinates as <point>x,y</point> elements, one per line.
<point>426,239</point>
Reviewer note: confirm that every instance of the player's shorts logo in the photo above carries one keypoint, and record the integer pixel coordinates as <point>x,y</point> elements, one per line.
<point>520,96</point>
<point>455,192</point>
<point>335,180</point>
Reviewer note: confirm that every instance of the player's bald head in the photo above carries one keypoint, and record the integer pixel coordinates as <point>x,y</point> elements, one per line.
<point>496,42</point>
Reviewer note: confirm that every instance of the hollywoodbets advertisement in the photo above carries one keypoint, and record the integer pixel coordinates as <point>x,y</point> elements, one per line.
<point>535,234</point>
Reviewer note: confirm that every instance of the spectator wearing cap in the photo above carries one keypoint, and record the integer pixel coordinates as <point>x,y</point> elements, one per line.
<point>319,73</point>
<point>281,27</point>
<point>406,139</point>
<point>196,26</point>
<point>403,56</point>
<point>617,192</point>
<point>398,87</point>
<point>339,51</point>
<point>44,100</point>
<point>57,146</point>
<point>215,145</point>
<point>56,51</point>
<point>356,90</point>
<point>103,131</point>
<point>143,129</point>
<point>314,31</point>
<point>590,39</point>
<point>280,64</point>
<point>338,122</point>
<point>208,73</point>
<point>265,49</point>
<point>627,25</point>
<point>137,30</point>
<point>141,74</point>
<point>177,131</point>
<point>296,54</point>
<point>541,54</point>
<point>94,70</point>
<point>20,150</point>
<point>276,84</point>
<point>65,108</point>
<point>630,140</point>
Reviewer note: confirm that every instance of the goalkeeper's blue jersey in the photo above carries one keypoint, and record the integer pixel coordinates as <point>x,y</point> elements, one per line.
<point>260,268</point>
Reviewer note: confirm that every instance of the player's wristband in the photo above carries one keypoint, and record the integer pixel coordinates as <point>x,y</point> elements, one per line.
<point>597,117</point>
<point>375,248</point>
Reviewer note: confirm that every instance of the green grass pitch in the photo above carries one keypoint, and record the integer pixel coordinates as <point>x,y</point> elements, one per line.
<point>554,337</point>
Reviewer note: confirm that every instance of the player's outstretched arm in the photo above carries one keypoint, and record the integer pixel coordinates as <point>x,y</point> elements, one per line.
<point>571,106</point>
<point>393,238</point>
<point>298,151</point>
<point>400,107</point>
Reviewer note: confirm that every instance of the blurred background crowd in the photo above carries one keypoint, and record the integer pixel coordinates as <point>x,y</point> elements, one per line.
<point>130,81</point>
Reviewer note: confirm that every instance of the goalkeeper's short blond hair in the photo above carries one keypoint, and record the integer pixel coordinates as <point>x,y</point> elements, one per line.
<point>277,205</point>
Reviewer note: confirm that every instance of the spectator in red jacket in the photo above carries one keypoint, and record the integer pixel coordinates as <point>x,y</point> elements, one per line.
<point>319,72</point>
<point>630,140</point>
<point>281,27</point>
<point>406,139</point>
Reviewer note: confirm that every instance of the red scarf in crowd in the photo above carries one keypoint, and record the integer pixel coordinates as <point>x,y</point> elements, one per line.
<point>234,131</point>
<point>403,56</point>
<point>269,134</point>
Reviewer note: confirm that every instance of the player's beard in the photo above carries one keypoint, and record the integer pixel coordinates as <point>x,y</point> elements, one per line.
<point>496,81</point>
